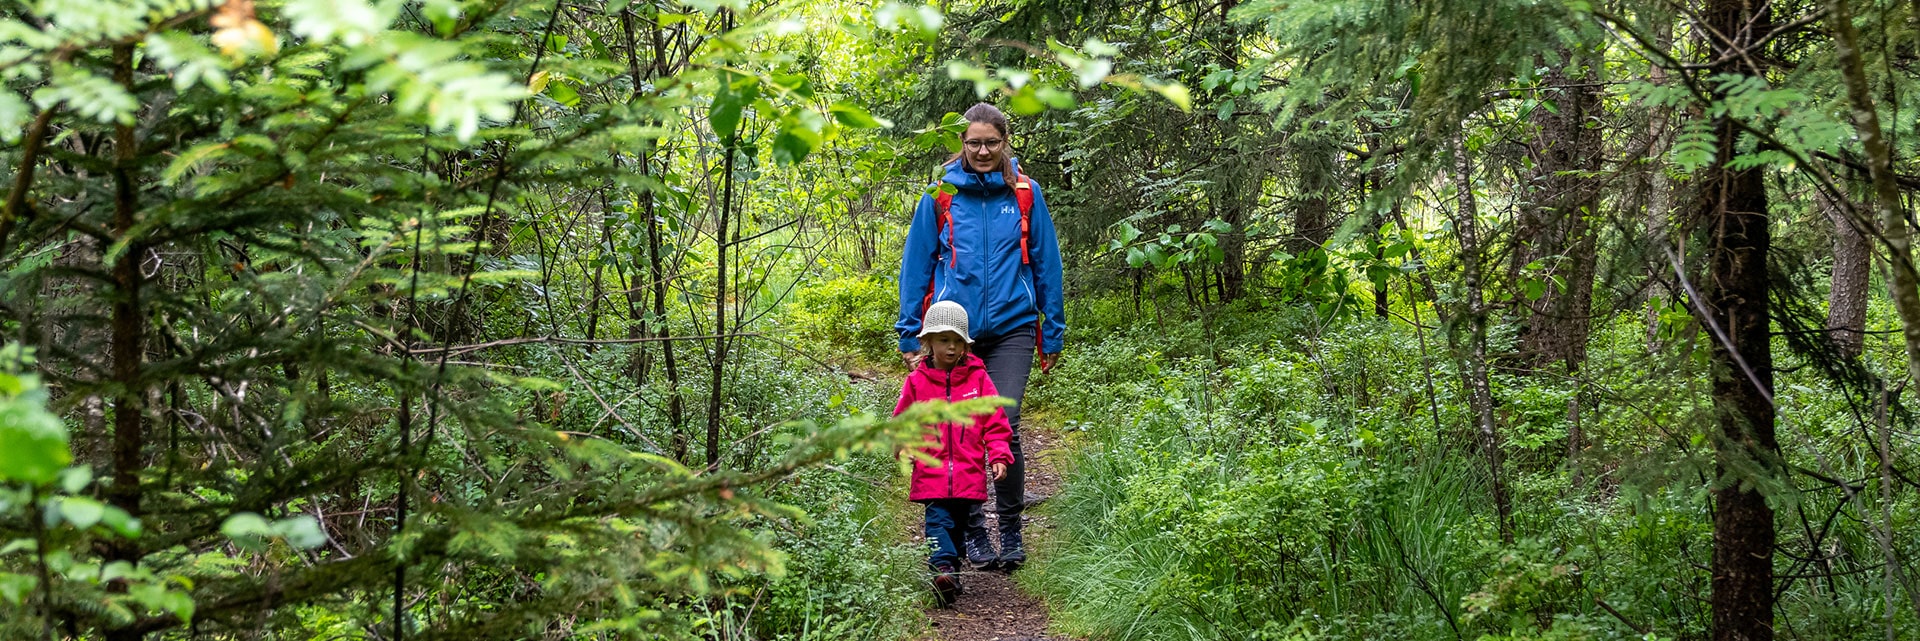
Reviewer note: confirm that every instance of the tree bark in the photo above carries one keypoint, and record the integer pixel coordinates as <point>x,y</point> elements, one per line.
<point>1733,209</point>
<point>1887,206</point>
<point>1474,353</point>
<point>1553,228</point>
<point>1847,297</point>
<point>1313,163</point>
<point>715,402</point>
<point>128,334</point>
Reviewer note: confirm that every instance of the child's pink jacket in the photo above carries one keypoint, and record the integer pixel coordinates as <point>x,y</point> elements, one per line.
<point>960,473</point>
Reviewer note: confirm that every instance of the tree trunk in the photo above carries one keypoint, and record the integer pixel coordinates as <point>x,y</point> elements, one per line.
<point>715,400</point>
<point>1553,228</point>
<point>1733,207</point>
<point>1887,205</point>
<point>1313,163</point>
<point>128,335</point>
<point>1474,354</point>
<point>1847,298</point>
<point>656,265</point>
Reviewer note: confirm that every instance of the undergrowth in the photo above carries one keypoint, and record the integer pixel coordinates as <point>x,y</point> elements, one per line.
<point>1316,481</point>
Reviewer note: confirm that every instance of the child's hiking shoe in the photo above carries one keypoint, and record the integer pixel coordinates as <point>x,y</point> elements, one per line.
<point>946,586</point>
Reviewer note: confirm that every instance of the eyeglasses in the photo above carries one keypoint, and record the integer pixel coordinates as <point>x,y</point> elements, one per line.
<point>989,144</point>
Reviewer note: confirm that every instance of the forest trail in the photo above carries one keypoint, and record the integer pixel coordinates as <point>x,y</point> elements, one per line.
<point>994,608</point>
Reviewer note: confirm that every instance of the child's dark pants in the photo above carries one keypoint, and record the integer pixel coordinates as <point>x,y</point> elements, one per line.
<point>945,518</point>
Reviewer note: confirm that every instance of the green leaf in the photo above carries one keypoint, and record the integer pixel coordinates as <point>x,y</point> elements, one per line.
<point>33,442</point>
<point>302,532</point>
<point>1055,98</point>
<point>15,587</point>
<point>191,62</point>
<point>194,157</point>
<point>349,22</point>
<point>799,135</point>
<point>14,115</point>
<point>248,530</point>
<point>1098,47</point>
<point>561,93</point>
<point>857,118</point>
<point>76,478</point>
<point>795,84</point>
<point>729,99</point>
<point>81,512</point>
<point>1175,93</point>
<point>1026,102</point>
<point>120,522</point>
<point>1092,72</point>
<point>88,95</point>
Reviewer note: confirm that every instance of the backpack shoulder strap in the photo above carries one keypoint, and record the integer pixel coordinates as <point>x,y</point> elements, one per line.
<point>942,210</point>
<point>1023,195</point>
<point>943,223</point>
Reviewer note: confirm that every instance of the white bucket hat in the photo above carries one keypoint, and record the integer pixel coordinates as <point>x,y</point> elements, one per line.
<point>945,316</point>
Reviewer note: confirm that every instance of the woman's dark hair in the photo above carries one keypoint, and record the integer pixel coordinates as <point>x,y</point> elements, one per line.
<point>989,114</point>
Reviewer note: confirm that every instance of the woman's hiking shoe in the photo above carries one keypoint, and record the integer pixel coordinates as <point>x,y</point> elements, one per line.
<point>946,586</point>
<point>1013,552</point>
<point>980,550</point>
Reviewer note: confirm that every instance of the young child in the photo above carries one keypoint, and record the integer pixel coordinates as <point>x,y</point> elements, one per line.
<point>948,372</point>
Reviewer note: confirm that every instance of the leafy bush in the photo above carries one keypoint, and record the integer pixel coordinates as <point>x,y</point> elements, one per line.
<point>847,320</point>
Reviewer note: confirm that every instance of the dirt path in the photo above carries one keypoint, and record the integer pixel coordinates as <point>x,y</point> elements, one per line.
<point>993,608</point>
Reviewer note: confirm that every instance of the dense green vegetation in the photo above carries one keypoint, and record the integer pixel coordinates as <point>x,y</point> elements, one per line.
<point>1506,319</point>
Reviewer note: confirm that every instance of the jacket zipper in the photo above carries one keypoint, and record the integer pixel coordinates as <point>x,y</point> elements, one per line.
<point>951,443</point>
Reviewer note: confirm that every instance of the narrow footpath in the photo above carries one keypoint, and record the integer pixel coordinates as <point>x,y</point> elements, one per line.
<point>993,607</point>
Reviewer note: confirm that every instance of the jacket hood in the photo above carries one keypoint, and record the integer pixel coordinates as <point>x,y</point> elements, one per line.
<point>965,179</point>
<point>960,374</point>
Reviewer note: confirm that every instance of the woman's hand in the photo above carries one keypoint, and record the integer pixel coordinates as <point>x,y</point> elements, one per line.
<point>912,359</point>
<point>1047,361</point>
<point>999,471</point>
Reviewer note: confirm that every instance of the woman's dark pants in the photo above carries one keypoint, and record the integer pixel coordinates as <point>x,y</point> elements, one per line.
<point>1009,361</point>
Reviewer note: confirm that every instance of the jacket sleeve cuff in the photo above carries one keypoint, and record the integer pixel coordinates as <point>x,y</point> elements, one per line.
<point>1053,345</point>
<point>909,343</point>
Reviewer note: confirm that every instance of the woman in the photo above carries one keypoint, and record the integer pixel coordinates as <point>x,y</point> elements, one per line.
<point>1002,264</point>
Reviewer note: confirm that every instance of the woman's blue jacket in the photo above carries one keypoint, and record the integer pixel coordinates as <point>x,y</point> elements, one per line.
<point>977,264</point>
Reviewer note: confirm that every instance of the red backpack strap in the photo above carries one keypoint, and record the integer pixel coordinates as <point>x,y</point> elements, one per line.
<point>942,226</point>
<point>943,220</point>
<point>1023,194</point>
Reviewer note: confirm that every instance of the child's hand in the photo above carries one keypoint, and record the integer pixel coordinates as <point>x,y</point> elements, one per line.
<point>999,471</point>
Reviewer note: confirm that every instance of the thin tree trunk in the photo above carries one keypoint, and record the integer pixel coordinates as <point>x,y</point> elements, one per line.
<point>656,265</point>
<point>128,336</point>
<point>715,401</point>
<point>1734,209</point>
<point>1474,353</point>
<point>1658,187</point>
<point>599,270</point>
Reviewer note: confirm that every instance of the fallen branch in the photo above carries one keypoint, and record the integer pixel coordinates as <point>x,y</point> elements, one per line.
<point>455,350</point>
